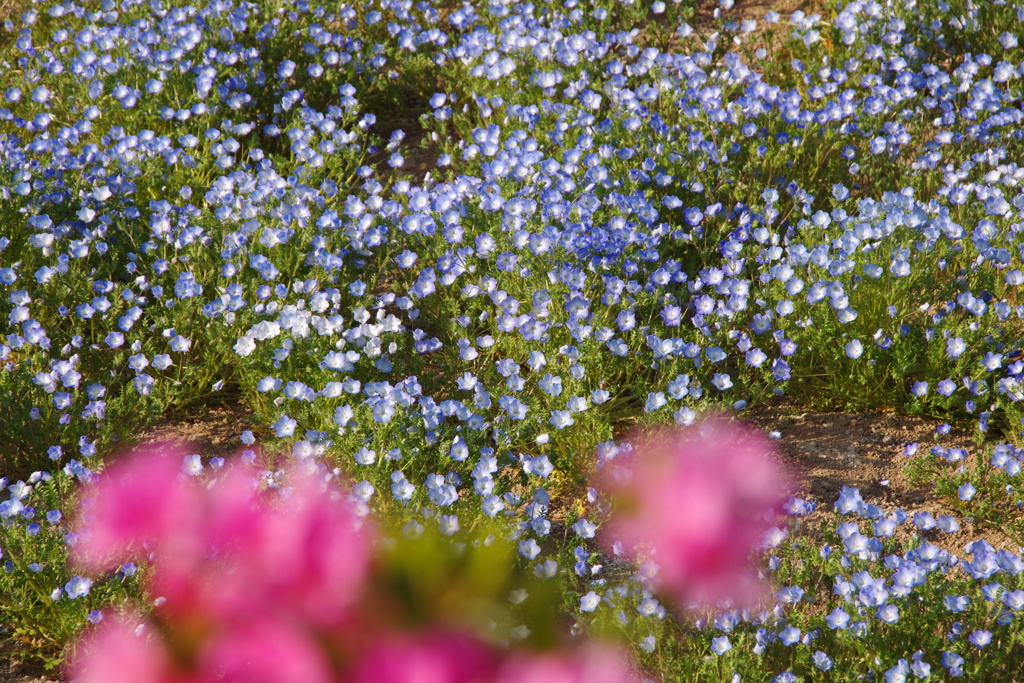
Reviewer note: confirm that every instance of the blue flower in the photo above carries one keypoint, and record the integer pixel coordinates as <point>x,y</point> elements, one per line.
<point>529,549</point>
<point>721,381</point>
<point>590,601</point>
<point>561,419</point>
<point>889,613</point>
<point>790,635</point>
<point>838,619</point>
<point>720,645</point>
<point>980,638</point>
<point>77,587</point>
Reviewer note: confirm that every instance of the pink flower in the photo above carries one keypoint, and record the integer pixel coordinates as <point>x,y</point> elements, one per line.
<point>140,498</point>
<point>592,664</point>
<point>302,555</point>
<point>115,653</point>
<point>436,658</point>
<point>252,585</point>
<point>697,498</point>
<point>264,650</point>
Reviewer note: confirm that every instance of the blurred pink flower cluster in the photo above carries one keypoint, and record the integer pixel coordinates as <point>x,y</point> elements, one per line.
<point>697,501</point>
<point>258,588</point>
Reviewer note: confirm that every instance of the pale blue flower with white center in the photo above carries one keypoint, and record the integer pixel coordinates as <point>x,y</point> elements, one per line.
<point>365,456</point>
<point>956,603</point>
<point>560,419</point>
<point>648,607</point>
<point>540,465</point>
<point>966,492</point>
<point>655,400</point>
<point>284,427</point>
<point>685,416</point>
<point>715,354</point>
<point>755,357</point>
<point>720,645</point>
<point>95,616</point>
<point>721,381</point>
<point>303,449</point>
<point>459,450</point>
<point>402,489</point>
<point>590,601</point>
<point>992,361</point>
<point>180,344</point>
<point>821,661</point>
<point>193,465</point>
<point>492,505</point>
<point>576,404</point>
<point>838,619</point>
<point>885,528</point>
<point>888,613</point>
<point>789,594</point>
<point>784,307</point>
<point>78,587</point>
<point>953,662</point>
<point>854,349</point>
<point>529,549</point>
<point>846,315</point>
<point>920,389</point>
<point>516,409</point>
<point>536,360</point>
<point>898,673</point>
<point>997,206</point>
<point>363,491</point>
<point>1014,600</point>
<point>955,347</point>
<point>980,638</point>
<point>790,635</point>
<point>551,384</point>
<point>920,668</point>
<point>546,569</point>
<point>679,387</point>
<point>584,529</point>
<point>448,524</point>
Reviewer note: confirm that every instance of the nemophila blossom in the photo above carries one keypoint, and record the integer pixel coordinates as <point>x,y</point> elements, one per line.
<point>77,587</point>
<point>696,498</point>
<point>980,638</point>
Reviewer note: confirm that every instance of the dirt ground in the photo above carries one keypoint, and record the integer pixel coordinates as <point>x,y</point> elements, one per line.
<point>866,450</point>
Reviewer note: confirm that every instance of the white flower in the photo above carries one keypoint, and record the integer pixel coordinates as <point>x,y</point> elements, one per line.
<point>590,601</point>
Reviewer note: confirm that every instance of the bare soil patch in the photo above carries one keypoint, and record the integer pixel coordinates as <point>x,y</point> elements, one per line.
<point>16,670</point>
<point>866,451</point>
